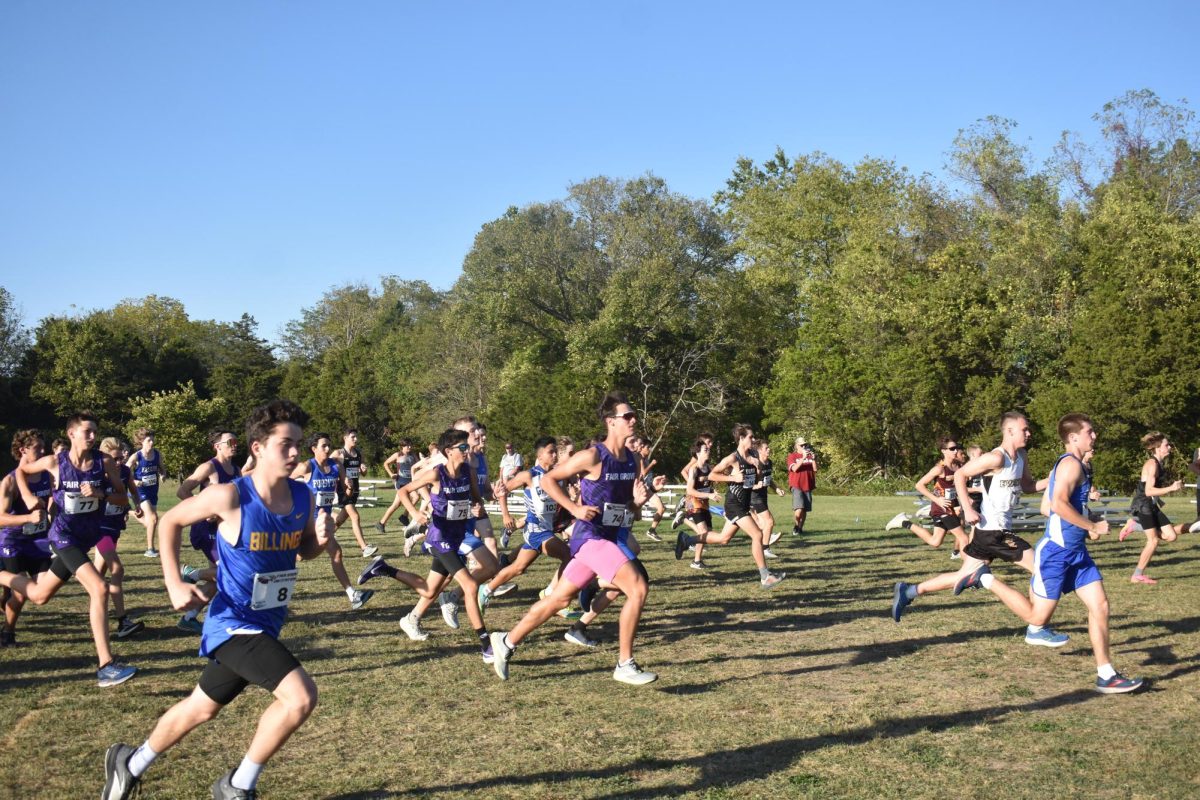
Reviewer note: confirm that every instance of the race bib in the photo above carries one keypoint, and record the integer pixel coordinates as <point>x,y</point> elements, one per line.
<point>325,499</point>
<point>113,511</point>
<point>148,480</point>
<point>35,528</point>
<point>351,473</point>
<point>615,515</point>
<point>273,589</point>
<point>75,503</point>
<point>458,509</point>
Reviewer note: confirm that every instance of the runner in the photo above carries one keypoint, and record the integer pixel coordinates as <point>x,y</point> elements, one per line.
<point>146,465</point>
<point>759,495</point>
<point>1005,475</point>
<point>79,475</point>
<point>321,474</point>
<point>24,527</point>
<point>802,477</point>
<point>655,502</point>
<point>1062,563</point>
<point>943,500</point>
<point>740,470</point>
<point>266,522</point>
<point>351,466</point>
<point>611,497</point>
<point>681,505</point>
<point>1146,505</point>
<point>111,525</point>
<point>700,494</point>
<point>399,467</point>
<point>413,533</point>
<point>202,536</point>
<point>453,492</point>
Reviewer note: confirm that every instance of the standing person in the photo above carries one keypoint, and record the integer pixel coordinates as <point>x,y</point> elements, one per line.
<point>146,465</point>
<point>1147,505</point>
<point>111,525</point>
<point>217,471</point>
<point>399,467</point>
<point>24,527</point>
<point>1005,475</point>
<point>740,471</point>
<point>265,522</point>
<point>511,463</point>
<point>79,475</point>
<point>759,495</point>
<point>802,477</point>
<point>610,498</point>
<point>1061,562</point>
<point>352,467</point>
<point>943,500</point>
<point>321,474</point>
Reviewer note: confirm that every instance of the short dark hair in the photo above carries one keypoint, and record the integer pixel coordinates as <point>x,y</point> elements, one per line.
<point>78,418</point>
<point>25,438</point>
<point>262,420</point>
<point>405,442</point>
<point>1072,423</point>
<point>609,404</point>
<point>699,445</point>
<point>451,437</point>
<point>942,441</point>
<point>217,435</point>
<point>316,438</point>
<point>740,430</point>
<point>348,431</point>
<point>543,441</point>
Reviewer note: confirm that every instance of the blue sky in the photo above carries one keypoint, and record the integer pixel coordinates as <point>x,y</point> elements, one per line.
<point>247,156</point>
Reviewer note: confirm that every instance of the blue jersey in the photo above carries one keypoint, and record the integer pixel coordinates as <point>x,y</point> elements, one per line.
<point>1058,530</point>
<point>451,507</point>
<point>481,475</point>
<point>323,484</point>
<point>611,493</point>
<point>146,475</point>
<point>257,574</point>
<point>78,520</point>
<point>540,507</point>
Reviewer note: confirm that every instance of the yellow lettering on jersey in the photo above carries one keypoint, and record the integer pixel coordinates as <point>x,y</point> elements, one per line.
<point>265,541</point>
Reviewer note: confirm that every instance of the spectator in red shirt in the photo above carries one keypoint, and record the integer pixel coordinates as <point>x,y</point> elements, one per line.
<point>802,476</point>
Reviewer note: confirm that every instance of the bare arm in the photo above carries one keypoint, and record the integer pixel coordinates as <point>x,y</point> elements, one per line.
<point>981,464</point>
<point>198,478</point>
<point>1068,474</point>
<point>1148,470</point>
<point>221,502</point>
<point>584,462</point>
<point>8,488</point>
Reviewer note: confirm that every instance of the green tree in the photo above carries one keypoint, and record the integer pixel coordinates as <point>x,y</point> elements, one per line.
<point>183,420</point>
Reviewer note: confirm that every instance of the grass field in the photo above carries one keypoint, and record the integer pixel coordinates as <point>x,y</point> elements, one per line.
<point>810,690</point>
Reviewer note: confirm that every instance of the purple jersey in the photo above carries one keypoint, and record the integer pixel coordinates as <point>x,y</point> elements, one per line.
<point>115,517</point>
<point>203,534</point>
<point>78,520</point>
<point>27,540</point>
<point>612,493</point>
<point>451,508</point>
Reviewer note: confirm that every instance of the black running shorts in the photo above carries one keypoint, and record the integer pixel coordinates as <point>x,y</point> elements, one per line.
<point>990,545</point>
<point>245,659</point>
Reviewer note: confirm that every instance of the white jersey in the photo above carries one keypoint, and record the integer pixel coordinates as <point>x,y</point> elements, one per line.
<point>1001,490</point>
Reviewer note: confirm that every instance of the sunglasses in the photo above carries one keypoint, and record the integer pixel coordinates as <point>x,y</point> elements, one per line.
<point>955,447</point>
<point>628,416</point>
<point>464,447</point>
<point>229,442</point>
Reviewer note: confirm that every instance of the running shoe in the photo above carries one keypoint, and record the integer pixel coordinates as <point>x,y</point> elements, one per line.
<point>971,581</point>
<point>1194,527</point>
<point>8,638</point>
<point>677,520</point>
<point>768,554</point>
<point>189,574</point>
<point>484,596</point>
<point>1046,637</point>
<point>681,543</point>
<point>955,555</point>
<point>900,600</point>
<point>586,595</point>
<point>382,528</point>
<point>224,789</point>
<point>488,653</point>
<point>631,673</point>
<point>500,655</point>
<point>119,782</point>
<point>410,542</point>
<point>150,553</point>
<point>774,537</point>
<point>370,550</point>
<point>376,569</point>
<point>700,565</point>
<point>411,528</point>
<point>360,597</point>
<point>653,536</point>
<point>580,638</point>
<point>897,521</point>
<point>570,613</point>
<point>504,589</point>
<point>772,580</point>
<point>449,609</point>
<point>128,627</point>
<point>114,673</point>
<point>1143,579</point>
<point>1118,684</point>
<point>795,530</point>
<point>1126,530</point>
<point>412,628</point>
<point>190,624</point>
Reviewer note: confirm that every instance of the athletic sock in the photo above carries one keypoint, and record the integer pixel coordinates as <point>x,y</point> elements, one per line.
<point>986,579</point>
<point>350,594</point>
<point>1035,628</point>
<point>246,776</point>
<point>911,591</point>
<point>1137,572</point>
<point>1105,671</point>
<point>141,759</point>
<point>907,524</point>
<point>507,643</point>
<point>193,614</point>
<point>621,663</point>
<point>763,573</point>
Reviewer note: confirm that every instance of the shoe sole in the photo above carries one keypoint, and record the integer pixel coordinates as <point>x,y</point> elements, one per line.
<point>637,681</point>
<point>898,603</point>
<point>127,633</point>
<point>1044,643</point>
<point>110,769</point>
<point>1119,689</point>
<point>109,683</point>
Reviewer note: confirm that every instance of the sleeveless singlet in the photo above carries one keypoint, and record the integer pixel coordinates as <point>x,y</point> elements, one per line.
<point>1058,530</point>
<point>1000,491</point>
<point>611,493</point>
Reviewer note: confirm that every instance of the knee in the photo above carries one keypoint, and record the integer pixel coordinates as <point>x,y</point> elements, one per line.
<point>305,702</point>
<point>1101,609</point>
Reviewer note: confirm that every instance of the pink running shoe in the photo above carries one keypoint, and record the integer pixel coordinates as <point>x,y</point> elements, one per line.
<point>1142,579</point>
<point>1128,529</point>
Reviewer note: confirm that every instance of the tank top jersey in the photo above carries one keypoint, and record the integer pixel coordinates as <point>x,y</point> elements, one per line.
<point>78,521</point>
<point>353,464</point>
<point>451,507</point>
<point>540,507</point>
<point>115,517</point>
<point>766,478</point>
<point>1058,530</point>
<point>404,467</point>
<point>611,493</point>
<point>145,470</point>
<point>204,527</point>
<point>943,486</point>
<point>23,534</point>
<point>1000,491</point>
<point>323,483</point>
<point>256,574</point>
<point>701,483</point>
<point>740,492</point>
<point>1139,494</point>
<point>481,476</point>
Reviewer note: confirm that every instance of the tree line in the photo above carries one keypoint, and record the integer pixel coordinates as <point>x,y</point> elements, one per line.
<point>863,306</point>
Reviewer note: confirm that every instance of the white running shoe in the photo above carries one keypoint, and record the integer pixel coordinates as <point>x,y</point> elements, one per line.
<point>449,609</point>
<point>1194,527</point>
<point>500,654</point>
<point>632,674</point>
<point>410,542</point>
<point>700,565</point>
<point>775,537</point>
<point>504,589</point>
<point>412,628</point>
<point>370,550</point>
<point>897,521</point>
<point>772,580</point>
<point>768,554</point>
<point>359,598</point>
<point>580,638</point>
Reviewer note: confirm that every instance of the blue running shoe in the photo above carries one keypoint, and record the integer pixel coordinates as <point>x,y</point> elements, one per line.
<point>1118,684</point>
<point>376,569</point>
<point>1046,637</point>
<point>681,544</point>
<point>900,600</point>
<point>114,673</point>
<point>484,597</point>
<point>586,595</point>
<point>971,581</point>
